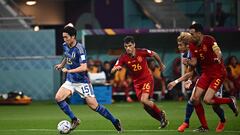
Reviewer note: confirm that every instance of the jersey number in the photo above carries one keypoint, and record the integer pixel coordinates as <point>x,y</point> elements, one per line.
<point>69,61</point>
<point>136,67</point>
<point>146,86</point>
<point>86,89</point>
<point>216,83</point>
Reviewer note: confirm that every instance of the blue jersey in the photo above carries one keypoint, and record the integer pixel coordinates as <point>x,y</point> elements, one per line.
<point>188,55</point>
<point>75,57</point>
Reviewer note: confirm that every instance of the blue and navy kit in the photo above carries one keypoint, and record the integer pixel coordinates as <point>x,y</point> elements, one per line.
<point>75,56</point>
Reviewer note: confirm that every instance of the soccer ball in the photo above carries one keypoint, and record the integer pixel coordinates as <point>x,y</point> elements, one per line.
<point>64,127</point>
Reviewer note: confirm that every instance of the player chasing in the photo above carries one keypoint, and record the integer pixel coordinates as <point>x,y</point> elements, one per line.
<point>183,45</point>
<point>135,60</point>
<point>77,80</point>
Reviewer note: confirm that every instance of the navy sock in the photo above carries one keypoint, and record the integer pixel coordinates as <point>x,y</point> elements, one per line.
<point>66,109</point>
<point>219,111</point>
<point>105,113</point>
<point>189,111</point>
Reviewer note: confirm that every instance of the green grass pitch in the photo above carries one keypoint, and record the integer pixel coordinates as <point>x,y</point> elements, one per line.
<point>41,118</point>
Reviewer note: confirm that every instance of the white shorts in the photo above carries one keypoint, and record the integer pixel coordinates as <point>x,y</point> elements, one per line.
<point>83,89</point>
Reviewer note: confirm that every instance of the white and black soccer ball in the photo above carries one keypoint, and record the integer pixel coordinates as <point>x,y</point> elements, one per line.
<point>64,127</point>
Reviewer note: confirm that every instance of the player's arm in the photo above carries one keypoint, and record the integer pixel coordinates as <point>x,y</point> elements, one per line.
<point>116,68</point>
<point>159,61</point>
<point>180,79</point>
<point>61,65</point>
<point>190,62</point>
<point>81,68</point>
<point>217,51</point>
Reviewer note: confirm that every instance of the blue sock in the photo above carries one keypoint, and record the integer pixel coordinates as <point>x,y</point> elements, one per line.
<point>219,111</point>
<point>105,113</point>
<point>189,111</point>
<point>66,109</point>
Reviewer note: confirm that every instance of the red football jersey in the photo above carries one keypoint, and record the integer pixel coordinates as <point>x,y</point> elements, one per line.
<point>206,56</point>
<point>137,65</point>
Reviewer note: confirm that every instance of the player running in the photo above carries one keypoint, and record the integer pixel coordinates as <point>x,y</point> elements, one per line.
<point>135,60</point>
<point>77,80</point>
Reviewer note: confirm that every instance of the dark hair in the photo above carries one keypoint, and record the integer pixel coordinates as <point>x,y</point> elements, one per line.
<point>197,26</point>
<point>128,39</point>
<point>70,31</point>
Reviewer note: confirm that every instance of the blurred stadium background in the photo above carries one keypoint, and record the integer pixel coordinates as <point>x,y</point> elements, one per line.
<point>31,45</point>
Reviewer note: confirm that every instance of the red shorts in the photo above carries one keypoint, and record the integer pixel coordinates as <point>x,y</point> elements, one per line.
<point>144,87</point>
<point>208,81</point>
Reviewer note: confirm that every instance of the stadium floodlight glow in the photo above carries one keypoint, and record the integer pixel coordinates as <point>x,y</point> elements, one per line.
<point>158,1</point>
<point>193,22</point>
<point>36,28</point>
<point>31,2</point>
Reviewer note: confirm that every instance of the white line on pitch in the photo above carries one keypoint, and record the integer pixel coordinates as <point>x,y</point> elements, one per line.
<point>55,130</point>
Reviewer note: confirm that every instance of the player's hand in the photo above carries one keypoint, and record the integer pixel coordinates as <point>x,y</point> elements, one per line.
<point>185,61</point>
<point>58,66</point>
<point>217,60</point>
<point>171,85</point>
<point>64,70</point>
<point>116,68</point>
<point>162,67</point>
<point>187,84</point>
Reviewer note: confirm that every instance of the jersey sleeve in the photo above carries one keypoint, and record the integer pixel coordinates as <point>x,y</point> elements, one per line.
<point>82,55</point>
<point>147,53</point>
<point>120,61</point>
<point>192,50</point>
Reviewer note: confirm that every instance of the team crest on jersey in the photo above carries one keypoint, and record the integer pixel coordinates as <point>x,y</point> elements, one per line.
<point>204,48</point>
<point>73,55</point>
<point>139,58</point>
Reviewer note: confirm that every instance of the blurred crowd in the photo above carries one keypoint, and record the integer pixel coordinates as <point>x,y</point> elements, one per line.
<point>122,85</point>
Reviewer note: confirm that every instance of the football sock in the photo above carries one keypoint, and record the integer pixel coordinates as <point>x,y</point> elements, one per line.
<point>153,111</point>
<point>217,100</point>
<point>66,109</point>
<point>219,111</point>
<point>105,113</point>
<point>201,115</point>
<point>189,111</point>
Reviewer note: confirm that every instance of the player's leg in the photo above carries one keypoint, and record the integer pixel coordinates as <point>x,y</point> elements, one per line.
<point>60,97</point>
<point>86,91</point>
<point>188,113</point>
<point>151,108</point>
<point>199,109</point>
<point>220,112</point>
<point>210,97</point>
<point>93,104</point>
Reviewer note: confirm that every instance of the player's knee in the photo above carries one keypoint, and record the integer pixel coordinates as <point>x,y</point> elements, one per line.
<point>143,101</point>
<point>207,101</point>
<point>58,98</point>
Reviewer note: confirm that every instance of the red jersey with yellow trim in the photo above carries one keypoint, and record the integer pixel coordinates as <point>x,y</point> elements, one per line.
<point>206,56</point>
<point>137,65</point>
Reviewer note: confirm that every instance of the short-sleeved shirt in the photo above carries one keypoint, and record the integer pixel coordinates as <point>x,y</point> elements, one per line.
<point>138,68</point>
<point>75,57</point>
<point>206,57</point>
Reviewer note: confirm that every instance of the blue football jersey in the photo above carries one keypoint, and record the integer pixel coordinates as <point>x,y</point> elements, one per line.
<point>188,55</point>
<point>75,57</point>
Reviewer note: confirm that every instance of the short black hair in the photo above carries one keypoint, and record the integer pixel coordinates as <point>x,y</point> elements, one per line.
<point>128,39</point>
<point>70,31</point>
<point>197,26</point>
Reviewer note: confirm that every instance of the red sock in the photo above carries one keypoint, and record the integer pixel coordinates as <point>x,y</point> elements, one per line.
<point>217,100</point>
<point>156,109</point>
<point>201,115</point>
